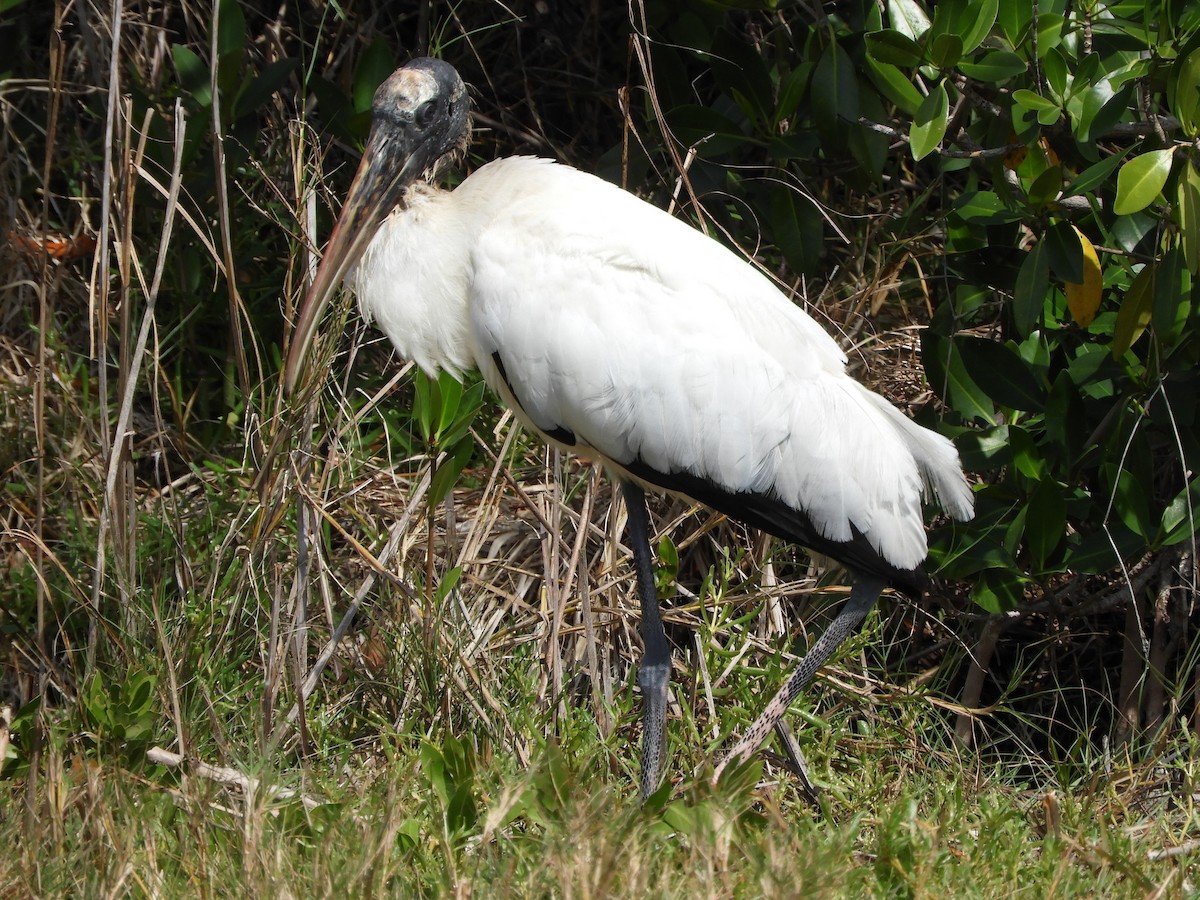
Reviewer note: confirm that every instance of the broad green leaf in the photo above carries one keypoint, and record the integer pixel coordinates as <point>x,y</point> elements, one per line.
<point>1001,373</point>
<point>997,590</point>
<point>1033,283</point>
<point>262,86</point>
<point>908,18</point>
<point>231,29</point>
<point>792,88</point>
<point>984,205</point>
<point>1187,214</point>
<point>1134,314</point>
<point>1030,100</point>
<point>1172,296</point>
<point>1049,32</point>
<point>980,16</point>
<point>447,584</point>
<point>1083,297</point>
<point>1102,550</point>
<point>448,471</point>
<point>1046,523</point>
<point>894,48</point>
<point>834,90</point>
<point>948,376</point>
<point>1141,180</point>
<point>929,126</point>
<point>895,86</point>
<point>1184,99</point>
<point>1046,187</point>
<point>1026,457</point>
<point>1182,515</point>
<point>1065,252</point>
<point>193,75</point>
<point>945,50</point>
<point>1131,495</point>
<point>1094,176</point>
<point>994,67</point>
<point>375,65</point>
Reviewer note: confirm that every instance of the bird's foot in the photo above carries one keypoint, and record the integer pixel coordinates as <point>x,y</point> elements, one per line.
<point>654,681</point>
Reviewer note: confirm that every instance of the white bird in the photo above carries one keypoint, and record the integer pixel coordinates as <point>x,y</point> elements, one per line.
<point>621,333</point>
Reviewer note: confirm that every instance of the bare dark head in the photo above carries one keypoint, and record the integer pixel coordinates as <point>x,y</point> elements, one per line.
<point>420,115</point>
<point>424,107</point>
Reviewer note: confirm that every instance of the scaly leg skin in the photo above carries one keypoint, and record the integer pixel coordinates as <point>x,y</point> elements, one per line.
<point>654,674</point>
<point>863,595</point>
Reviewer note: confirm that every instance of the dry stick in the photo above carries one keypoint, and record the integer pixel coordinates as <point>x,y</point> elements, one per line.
<point>235,300</point>
<point>225,775</point>
<point>99,315</point>
<point>981,659</point>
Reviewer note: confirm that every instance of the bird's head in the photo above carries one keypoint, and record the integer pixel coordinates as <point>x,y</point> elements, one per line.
<point>418,118</point>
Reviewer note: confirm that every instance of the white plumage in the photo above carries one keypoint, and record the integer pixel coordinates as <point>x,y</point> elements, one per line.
<point>622,333</point>
<point>646,339</point>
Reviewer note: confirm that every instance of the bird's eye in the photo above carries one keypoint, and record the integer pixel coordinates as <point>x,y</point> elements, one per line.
<point>425,113</point>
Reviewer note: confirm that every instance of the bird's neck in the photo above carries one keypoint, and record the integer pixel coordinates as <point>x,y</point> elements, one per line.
<point>413,281</point>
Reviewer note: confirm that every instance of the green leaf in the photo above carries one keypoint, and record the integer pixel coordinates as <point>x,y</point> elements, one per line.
<point>448,471</point>
<point>908,17</point>
<point>834,91</point>
<point>1172,296</point>
<point>1179,519</point>
<point>985,206</point>
<point>1183,92</point>
<point>1033,283</point>
<point>997,590</point>
<point>1046,522</point>
<point>1094,176</point>
<point>945,50</point>
<point>1187,215</point>
<point>375,65</point>
<point>1134,314</point>
<point>976,22</point>
<point>447,584</point>
<point>994,67</point>
<point>193,75</point>
<point>948,376</point>
<point>1029,100</point>
<point>231,29</point>
<point>261,87</point>
<point>1001,373</point>
<point>1141,180</point>
<point>1046,187</point>
<point>929,126</point>
<point>895,86</point>
<point>1049,32</point>
<point>1065,252</point>
<point>894,48</point>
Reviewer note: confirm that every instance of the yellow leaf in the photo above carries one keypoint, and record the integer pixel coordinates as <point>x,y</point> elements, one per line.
<point>1084,299</point>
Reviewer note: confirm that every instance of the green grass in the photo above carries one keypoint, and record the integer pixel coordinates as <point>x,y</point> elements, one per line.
<point>441,761</point>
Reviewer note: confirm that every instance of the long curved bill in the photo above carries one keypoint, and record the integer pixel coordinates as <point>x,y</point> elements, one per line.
<point>387,168</point>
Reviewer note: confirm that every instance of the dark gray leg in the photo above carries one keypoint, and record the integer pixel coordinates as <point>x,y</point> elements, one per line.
<point>863,595</point>
<point>799,764</point>
<point>654,674</point>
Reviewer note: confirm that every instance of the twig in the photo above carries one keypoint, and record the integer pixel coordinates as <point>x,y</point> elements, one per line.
<point>227,776</point>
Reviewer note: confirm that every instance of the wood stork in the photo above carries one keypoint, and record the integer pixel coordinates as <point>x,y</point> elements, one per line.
<point>621,333</point>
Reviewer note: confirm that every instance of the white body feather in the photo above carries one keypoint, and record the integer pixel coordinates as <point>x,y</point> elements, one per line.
<point>649,341</point>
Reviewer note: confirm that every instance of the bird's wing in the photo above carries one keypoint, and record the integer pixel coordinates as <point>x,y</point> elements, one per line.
<point>615,327</point>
